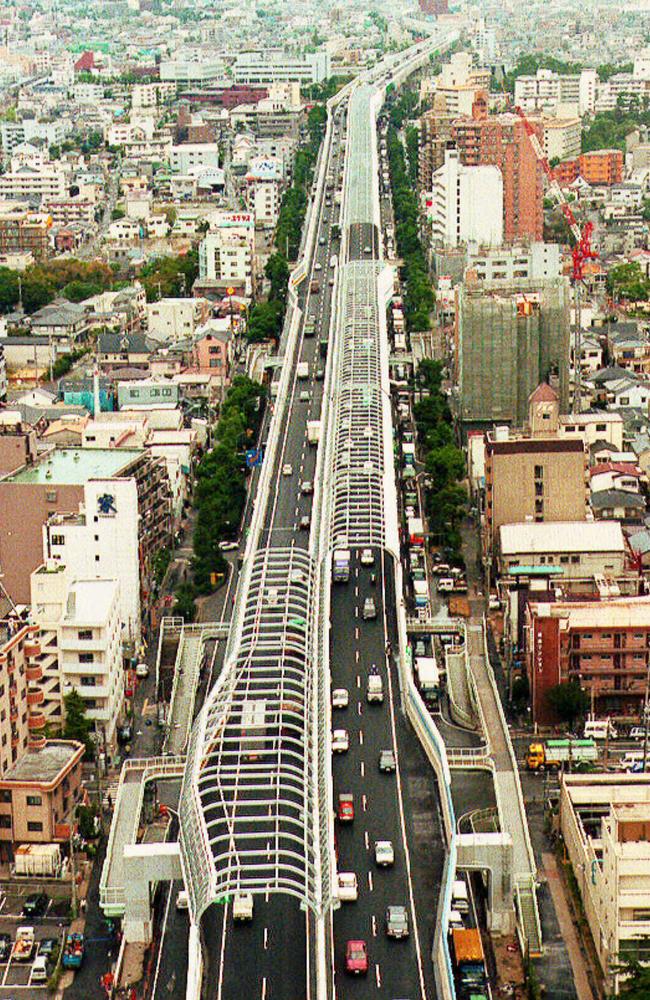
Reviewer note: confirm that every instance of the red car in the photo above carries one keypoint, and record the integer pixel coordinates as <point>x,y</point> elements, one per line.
<point>346,808</point>
<point>356,958</point>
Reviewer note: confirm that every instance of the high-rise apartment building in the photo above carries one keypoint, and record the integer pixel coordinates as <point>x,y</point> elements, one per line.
<point>502,141</point>
<point>466,203</point>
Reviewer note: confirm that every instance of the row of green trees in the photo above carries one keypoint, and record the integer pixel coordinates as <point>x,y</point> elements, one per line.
<point>220,492</point>
<point>629,282</point>
<point>42,282</point>
<point>170,275</point>
<point>446,498</point>
<point>608,129</point>
<point>418,291</point>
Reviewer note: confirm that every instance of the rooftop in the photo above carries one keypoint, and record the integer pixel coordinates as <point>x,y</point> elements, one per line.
<point>561,536</point>
<point>89,602</point>
<point>75,466</point>
<point>43,766</point>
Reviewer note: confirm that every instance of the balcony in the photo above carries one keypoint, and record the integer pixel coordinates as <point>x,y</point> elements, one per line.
<point>34,672</point>
<point>36,697</point>
<point>32,648</point>
<point>36,721</point>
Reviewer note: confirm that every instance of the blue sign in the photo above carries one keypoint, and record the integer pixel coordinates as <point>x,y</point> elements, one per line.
<point>106,504</point>
<point>254,457</point>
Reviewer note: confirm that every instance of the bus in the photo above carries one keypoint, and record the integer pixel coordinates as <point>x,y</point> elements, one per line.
<point>253,728</point>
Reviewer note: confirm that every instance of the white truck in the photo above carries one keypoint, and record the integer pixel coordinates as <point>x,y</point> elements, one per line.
<point>313,431</point>
<point>303,369</point>
<point>23,945</point>
<point>428,676</point>
<point>242,907</point>
<point>374,689</point>
<point>341,565</point>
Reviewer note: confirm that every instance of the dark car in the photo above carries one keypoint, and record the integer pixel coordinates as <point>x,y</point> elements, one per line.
<point>5,947</point>
<point>48,946</point>
<point>36,904</point>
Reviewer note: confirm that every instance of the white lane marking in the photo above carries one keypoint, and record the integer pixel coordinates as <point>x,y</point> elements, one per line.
<point>364,802</point>
<point>363,769</point>
<point>361,737</point>
<point>366,840</point>
<point>356,591</point>
<point>358,681</point>
<point>358,708</point>
<point>378,976</point>
<point>266,939</point>
<point>370,885</point>
<point>356,632</point>
<point>264,988</point>
<point>356,656</point>
<point>266,897</point>
<point>374,925</point>
<point>356,614</point>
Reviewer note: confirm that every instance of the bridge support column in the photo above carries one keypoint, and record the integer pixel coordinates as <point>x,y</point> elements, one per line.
<point>144,864</point>
<point>491,852</point>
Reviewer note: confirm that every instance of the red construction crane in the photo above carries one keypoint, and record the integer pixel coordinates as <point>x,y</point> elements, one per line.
<point>582,249</point>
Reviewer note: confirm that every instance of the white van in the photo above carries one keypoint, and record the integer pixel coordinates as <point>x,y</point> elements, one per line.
<point>39,969</point>
<point>242,907</point>
<point>460,896</point>
<point>455,921</point>
<point>633,760</point>
<point>142,670</point>
<point>182,900</point>
<point>375,689</point>
<point>600,729</point>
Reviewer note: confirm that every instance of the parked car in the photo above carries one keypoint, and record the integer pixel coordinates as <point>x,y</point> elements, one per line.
<point>5,947</point>
<point>48,946</point>
<point>36,904</point>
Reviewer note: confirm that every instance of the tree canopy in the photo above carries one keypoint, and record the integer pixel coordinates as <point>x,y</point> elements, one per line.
<point>568,701</point>
<point>77,725</point>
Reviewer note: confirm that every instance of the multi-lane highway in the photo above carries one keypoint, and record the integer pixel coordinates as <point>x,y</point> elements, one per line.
<point>269,957</point>
<point>256,805</point>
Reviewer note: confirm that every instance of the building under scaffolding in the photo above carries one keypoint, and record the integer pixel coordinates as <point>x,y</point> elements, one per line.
<point>508,339</point>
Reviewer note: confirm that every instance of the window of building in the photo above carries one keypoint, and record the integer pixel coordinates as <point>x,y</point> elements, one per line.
<point>34,826</point>
<point>539,506</point>
<point>564,560</point>
<point>539,472</point>
<point>58,539</point>
<point>5,822</point>
<point>51,496</point>
<point>86,657</point>
<point>5,795</point>
<point>575,560</point>
<point>34,800</point>
<point>90,703</point>
<point>88,682</point>
<point>84,634</point>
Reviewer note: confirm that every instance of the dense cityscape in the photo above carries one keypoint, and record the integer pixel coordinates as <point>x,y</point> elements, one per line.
<point>324,500</point>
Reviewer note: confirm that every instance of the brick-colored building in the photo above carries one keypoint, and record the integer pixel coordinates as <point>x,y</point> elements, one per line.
<point>602,645</point>
<point>502,141</point>
<point>22,722</point>
<point>17,442</point>
<point>39,796</point>
<point>601,166</point>
<point>22,231</point>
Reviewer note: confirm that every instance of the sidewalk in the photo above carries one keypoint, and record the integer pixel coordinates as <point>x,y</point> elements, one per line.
<point>579,969</point>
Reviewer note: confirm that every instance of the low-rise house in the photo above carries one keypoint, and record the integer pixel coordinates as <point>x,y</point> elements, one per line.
<point>65,323</point>
<point>116,350</point>
<point>619,505</point>
<point>615,476</point>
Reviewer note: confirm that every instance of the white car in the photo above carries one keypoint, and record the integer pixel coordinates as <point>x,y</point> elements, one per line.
<point>287,470</point>
<point>228,546</point>
<point>348,888</point>
<point>384,853</point>
<point>318,266</point>
<point>340,698</point>
<point>367,557</point>
<point>340,741</point>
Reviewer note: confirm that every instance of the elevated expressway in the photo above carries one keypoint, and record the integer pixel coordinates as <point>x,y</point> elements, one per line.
<point>256,808</point>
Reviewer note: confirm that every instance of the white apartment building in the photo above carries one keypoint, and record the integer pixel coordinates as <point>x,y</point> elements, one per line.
<point>194,154</point>
<point>271,65</point>
<point>185,73</point>
<point>227,255</point>
<point>547,89</point>
<point>601,425</point>
<point>562,137</point>
<point>28,182</point>
<point>121,133</point>
<point>170,319</point>
<point>88,93</point>
<point>459,83</point>
<point>621,85</point>
<point>81,642</point>
<point>95,545</point>
<point>150,95</point>
<point>533,260</point>
<point>605,821</point>
<point>466,203</point>
<point>12,134</point>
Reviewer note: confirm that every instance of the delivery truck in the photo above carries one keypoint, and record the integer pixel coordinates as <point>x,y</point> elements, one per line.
<point>555,754</point>
<point>303,369</point>
<point>341,565</point>
<point>313,431</point>
<point>469,961</point>
<point>428,677</point>
<point>73,951</point>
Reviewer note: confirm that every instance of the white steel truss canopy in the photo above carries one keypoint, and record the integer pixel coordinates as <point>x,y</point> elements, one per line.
<point>248,800</point>
<point>358,455</point>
